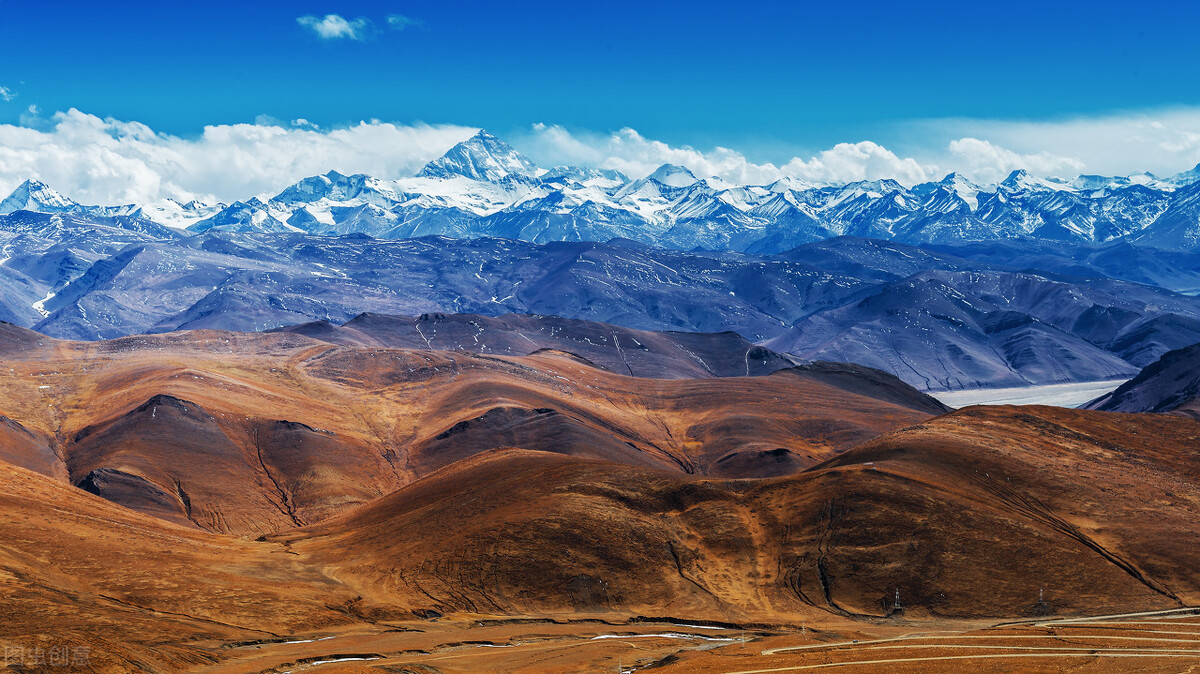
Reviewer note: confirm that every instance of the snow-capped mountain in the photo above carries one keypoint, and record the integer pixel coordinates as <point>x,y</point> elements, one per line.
<point>1186,178</point>
<point>673,176</point>
<point>484,187</point>
<point>179,215</point>
<point>37,196</point>
<point>481,157</point>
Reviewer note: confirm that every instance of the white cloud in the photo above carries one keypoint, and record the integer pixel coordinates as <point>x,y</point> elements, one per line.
<point>400,22</point>
<point>986,162</point>
<point>336,27</point>
<point>865,160</point>
<point>1163,142</point>
<point>106,161</point>
<point>636,155</point>
<point>7,94</point>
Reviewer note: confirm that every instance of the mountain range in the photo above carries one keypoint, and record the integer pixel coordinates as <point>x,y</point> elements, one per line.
<point>483,187</point>
<point>605,424</point>
<point>954,286</point>
<point>939,320</point>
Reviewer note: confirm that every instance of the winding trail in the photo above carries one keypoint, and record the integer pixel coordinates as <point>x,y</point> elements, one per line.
<point>1069,645</point>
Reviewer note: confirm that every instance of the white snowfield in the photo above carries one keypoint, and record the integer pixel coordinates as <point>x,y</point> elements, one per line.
<point>1057,395</point>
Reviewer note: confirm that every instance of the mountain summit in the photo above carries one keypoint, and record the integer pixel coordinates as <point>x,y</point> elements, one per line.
<point>35,195</point>
<point>483,187</point>
<point>673,176</point>
<point>481,157</point>
<point>1187,177</point>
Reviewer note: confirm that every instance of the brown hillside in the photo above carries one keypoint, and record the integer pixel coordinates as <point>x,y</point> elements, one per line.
<point>249,434</point>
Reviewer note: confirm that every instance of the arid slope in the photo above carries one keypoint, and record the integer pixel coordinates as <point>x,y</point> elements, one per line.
<point>79,572</point>
<point>252,433</point>
<point>1171,384</point>
<point>314,498</point>
<point>637,353</point>
<point>975,514</point>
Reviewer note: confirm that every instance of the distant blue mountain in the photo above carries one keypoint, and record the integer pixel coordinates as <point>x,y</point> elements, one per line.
<point>939,317</point>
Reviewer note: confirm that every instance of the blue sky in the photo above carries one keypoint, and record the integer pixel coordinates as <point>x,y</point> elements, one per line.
<point>772,80</point>
<point>802,75</point>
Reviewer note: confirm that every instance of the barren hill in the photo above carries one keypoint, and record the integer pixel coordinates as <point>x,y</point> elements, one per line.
<point>1170,384</point>
<point>249,433</point>
<point>637,353</point>
<point>264,502</point>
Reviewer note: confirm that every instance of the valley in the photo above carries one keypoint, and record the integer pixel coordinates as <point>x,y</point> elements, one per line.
<point>1057,395</point>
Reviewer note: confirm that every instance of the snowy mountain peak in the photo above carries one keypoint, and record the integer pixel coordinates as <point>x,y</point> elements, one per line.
<point>35,195</point>
<point>333,186</point>
<point>1020,181</point>
<point>673,175</point>
<point>482,157</point>
<point>1186,178</point>
<point>586,176</point>
<point>789,184</point>
<point>1015,178</point>
<point>963,188</point>
<point>171,213</point>
<point>956,179</point>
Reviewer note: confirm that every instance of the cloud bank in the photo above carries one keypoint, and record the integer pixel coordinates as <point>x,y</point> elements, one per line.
<point>635,155</point>
<point>108,161</point>
<point>986,162</point>
<point>1163,142</point>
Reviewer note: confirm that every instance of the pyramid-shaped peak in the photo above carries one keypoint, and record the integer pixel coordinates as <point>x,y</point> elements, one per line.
<point>484,136</point>
<point>482,157</point>
<point>35,195</point>
<point>674,175</point>
<point>1020,179</point>
<point>1186,177</point>
<point>333,185</point>
<point>957,181</point>
<point>1016,176</point>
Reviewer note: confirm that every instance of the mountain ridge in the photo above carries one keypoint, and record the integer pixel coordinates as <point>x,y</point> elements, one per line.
<point>485,187</point>
<point>937,319</point>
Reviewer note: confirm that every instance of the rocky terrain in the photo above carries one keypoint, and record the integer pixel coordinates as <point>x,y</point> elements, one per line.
<point>1170,384</point>
<point>250,502</point>
<point>245,433</point>
<point>637,353</point>
<point>929,316</point>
